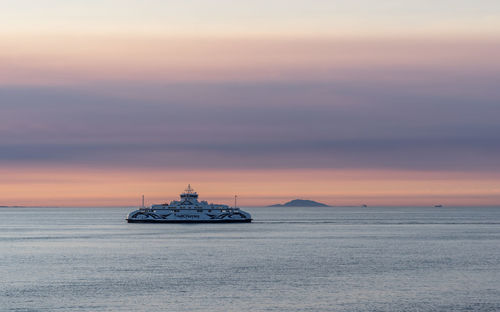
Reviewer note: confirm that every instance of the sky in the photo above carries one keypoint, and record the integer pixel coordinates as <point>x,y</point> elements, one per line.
<point>345,102</point>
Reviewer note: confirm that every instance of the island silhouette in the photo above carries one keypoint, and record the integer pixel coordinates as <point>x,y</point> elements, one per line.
<point>300,203</point>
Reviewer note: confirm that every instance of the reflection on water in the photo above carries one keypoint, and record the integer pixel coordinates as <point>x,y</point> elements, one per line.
<point>289,259</point>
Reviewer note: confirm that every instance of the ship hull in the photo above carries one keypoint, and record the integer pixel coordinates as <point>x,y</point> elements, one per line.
<point>189,221</point>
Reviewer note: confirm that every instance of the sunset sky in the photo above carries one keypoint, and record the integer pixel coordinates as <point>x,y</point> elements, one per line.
<point>390,102</point>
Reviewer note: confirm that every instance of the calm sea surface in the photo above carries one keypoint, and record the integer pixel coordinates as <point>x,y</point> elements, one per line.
<point>289,259</point>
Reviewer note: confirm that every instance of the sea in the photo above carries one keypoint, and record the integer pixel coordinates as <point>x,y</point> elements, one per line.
<point>288,259</point>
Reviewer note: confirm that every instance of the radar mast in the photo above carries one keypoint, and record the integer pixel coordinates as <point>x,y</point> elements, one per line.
<point>189,190</point>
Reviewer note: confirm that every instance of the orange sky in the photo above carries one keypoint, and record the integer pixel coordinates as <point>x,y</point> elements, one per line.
<point>100,187</point>
<point>82,59</point>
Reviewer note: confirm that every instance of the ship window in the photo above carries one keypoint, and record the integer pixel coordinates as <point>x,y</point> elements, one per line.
<point>200,210</point>
<point>209,210</point>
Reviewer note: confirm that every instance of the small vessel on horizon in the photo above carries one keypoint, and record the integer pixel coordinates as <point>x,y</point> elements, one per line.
<point>188,210</point>
<point>438,206</point>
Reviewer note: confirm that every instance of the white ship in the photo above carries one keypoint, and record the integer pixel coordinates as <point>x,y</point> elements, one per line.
<point>188,210</point>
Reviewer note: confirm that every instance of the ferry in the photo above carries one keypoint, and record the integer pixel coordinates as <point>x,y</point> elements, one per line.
<point>189,210</point>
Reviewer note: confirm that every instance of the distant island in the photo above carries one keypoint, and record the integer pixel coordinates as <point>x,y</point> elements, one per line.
<point>300,203</point>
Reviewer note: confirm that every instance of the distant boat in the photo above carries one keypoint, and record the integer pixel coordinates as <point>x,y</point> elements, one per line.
<point>364,206</point>
<point>438,206</point>
<point>188,210</point>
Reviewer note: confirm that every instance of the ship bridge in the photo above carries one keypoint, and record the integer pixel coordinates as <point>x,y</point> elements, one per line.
<point>189,195</point>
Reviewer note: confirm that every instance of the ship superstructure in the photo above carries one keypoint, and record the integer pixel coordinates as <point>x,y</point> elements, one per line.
<point>188,210</point>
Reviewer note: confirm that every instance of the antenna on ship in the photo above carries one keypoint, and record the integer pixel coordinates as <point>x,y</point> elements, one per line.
<point>143,201</point>
<point>235,196</point>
